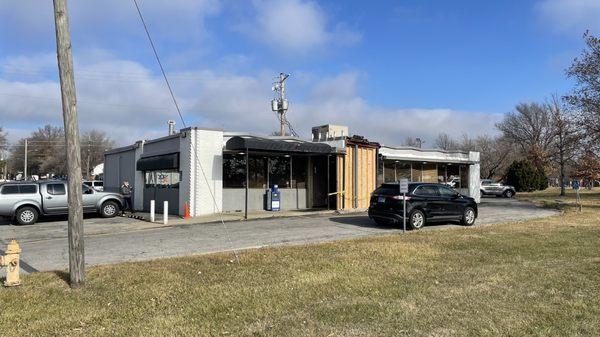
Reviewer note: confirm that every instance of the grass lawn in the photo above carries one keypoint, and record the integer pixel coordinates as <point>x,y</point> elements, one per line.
<point>536,278</point>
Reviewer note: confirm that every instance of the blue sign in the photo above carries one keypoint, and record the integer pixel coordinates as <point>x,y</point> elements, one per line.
<point>575,184</point>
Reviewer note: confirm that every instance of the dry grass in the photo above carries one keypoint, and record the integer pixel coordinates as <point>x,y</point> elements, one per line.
<point>536,278</point>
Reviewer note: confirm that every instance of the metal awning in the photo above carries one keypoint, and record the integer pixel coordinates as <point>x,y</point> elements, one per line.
<point>161,162</point>
<point>239,143</point>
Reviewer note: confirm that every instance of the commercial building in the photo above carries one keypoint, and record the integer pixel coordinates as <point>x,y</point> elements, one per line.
<point>215,171</point>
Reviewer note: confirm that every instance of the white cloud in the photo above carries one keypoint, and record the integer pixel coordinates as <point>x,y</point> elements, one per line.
<point>175,18</point>
<point>296,26</point>
<point>129,102</point>
<point>571,15</point>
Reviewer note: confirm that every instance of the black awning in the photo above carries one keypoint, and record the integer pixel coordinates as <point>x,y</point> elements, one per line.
<point>162,162</point>
<point>238,143</point>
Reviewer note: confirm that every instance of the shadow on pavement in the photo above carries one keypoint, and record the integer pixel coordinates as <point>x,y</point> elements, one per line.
<point>48,218</point>
<point>360,221</point>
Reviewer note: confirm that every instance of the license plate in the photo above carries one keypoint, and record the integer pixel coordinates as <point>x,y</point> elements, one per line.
<point>381,199</point>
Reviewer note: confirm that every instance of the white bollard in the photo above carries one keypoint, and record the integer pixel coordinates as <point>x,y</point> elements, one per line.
<point>152,209</point>
<point>166,213</point>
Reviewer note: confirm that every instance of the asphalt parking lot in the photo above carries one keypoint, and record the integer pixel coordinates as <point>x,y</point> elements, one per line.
<point>120,239</point>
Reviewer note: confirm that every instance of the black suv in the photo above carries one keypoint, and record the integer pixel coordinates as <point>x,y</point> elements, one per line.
<point>425,202</point>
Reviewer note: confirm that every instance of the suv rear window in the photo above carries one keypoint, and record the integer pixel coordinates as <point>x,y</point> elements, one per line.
<point>19,189</point>
<point>427,190</point>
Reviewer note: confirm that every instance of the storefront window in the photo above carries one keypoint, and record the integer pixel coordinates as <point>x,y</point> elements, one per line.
<point>417,172</point>
<point>162,179</point>
<point>430,173</point>
<point>279,172</point>
<point>299,171</point>
<point>453,177</point>
<point>442,173</point>
<point>234,171</point>
<point>389,171</point>
<point>402,170</point>
<point>257,172</point>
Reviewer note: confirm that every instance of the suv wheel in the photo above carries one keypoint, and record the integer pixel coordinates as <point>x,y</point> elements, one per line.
<point>468,217</point>
<point>509,194</point>
<point>109,209</point>
<point>416,219</point>
<point>27,215</point>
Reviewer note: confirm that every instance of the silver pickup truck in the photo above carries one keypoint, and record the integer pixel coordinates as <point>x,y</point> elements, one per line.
<point>490,187</point>
<point>26,201</point>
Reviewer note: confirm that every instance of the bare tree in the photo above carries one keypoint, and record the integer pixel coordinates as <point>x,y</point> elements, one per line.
<point>413,142</point>
<point>586,94</point>
<point>567,143</point>
<point>93,145</point>
<point>530,128</point>
<point>445,142</point>
<point>3,140</point>
<point>47,151</point>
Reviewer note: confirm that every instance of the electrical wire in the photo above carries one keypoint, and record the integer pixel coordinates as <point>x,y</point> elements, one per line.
<point>193,145</point>
<point>162,70</point>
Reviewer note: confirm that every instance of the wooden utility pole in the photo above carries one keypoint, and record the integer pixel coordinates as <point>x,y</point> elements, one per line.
<point>69,105</point>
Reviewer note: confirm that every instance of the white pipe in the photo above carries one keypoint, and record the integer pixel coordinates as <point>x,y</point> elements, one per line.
<point>166,213</point>
<point>152,208</point>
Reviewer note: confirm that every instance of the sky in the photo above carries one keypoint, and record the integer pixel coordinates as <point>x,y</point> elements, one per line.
<point>387,69</point>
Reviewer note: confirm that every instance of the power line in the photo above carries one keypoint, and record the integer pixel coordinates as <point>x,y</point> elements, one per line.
<point>162,70</point>
<point>235,253</point>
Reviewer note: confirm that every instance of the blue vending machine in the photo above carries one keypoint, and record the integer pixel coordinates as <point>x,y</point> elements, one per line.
<point>273,199</point>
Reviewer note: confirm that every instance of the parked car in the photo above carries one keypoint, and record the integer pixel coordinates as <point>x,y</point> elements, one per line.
<point>26,201</point>
<point>490,187</point>
<point>425,203</point>
<point>98,185</point>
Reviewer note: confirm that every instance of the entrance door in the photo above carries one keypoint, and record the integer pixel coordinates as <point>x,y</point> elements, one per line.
<point>319,171</point>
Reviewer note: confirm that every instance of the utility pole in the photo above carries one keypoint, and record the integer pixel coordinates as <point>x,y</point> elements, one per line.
<point>280,104</point>
<point>69,105</point>
<point>25,162</point>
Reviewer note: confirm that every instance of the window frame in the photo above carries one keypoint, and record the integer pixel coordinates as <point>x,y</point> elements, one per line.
<point>415,192</point>
<point>52,192</point>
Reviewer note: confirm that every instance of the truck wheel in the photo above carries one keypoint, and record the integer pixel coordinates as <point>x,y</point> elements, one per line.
<point>416,219</point>
<point>109,209</point>
<point>27,215</point>
<point>468,217</point>
<point>509,194</point>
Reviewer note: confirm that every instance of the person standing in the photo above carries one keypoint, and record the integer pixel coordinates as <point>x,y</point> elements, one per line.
<point>126,191</point>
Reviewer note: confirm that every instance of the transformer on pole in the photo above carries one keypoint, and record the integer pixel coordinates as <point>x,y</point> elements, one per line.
<point>280,104</point>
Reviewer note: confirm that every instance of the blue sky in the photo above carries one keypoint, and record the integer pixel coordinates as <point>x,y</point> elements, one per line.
<point>388,69</point>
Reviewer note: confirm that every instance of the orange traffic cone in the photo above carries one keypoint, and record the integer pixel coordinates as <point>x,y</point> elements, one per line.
<point>186,210</point>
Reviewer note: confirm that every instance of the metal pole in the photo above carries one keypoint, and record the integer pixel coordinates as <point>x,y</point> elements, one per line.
<point>69,105</point>
<point>247,182</point>
<point>152,210</point>
<point>404,214</point>
<point>165,212</point>
<point>25,162</point>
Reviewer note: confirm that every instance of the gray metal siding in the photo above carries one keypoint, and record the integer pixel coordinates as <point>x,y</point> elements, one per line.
<point>117,168</point>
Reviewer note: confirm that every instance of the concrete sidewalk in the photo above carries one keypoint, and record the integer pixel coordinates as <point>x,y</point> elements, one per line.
<point>239,216</point>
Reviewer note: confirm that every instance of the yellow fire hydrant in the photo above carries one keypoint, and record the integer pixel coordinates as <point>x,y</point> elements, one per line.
<point>11,261</point>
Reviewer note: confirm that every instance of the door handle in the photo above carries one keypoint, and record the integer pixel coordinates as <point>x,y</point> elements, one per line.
<point>48,197</point>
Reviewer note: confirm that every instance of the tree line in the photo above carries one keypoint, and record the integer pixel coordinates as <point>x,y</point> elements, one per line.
<point>46,152</point>
<point>559,138</point>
